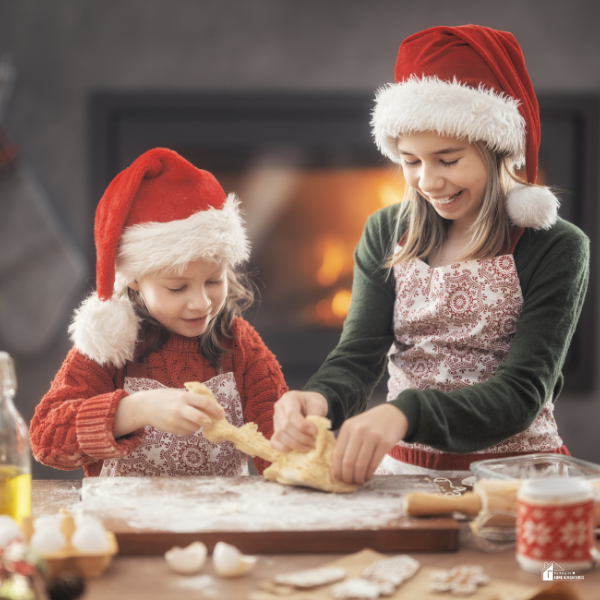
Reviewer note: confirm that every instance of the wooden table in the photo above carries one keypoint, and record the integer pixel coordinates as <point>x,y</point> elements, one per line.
<point>149,578</point>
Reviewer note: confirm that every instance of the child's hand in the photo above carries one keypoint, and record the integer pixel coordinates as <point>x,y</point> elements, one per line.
<point>292,430</point>
<point>364,440</point>
<point>166,409</point>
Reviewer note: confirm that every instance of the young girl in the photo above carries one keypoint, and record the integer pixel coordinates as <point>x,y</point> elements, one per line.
<point>165,312</point>
<point>471,288</point>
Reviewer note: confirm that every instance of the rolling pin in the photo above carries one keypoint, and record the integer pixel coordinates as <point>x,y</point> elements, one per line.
<point>487,495</point>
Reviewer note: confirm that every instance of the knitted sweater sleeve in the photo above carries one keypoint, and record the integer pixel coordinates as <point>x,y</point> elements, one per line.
<point>259,378</point>
<point>73,425</point>
<point>349,374</point>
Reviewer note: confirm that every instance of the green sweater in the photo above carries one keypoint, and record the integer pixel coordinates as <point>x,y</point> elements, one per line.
<point>553,270</point>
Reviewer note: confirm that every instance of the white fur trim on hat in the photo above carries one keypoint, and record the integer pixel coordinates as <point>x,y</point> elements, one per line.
<point>213,235</point>
<point>532,206</point>
<point>451,109</point>
<point>107,331</point>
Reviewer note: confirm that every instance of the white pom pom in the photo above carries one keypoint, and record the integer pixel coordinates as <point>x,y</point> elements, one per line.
<point>531,206</point>
<point>105,331</point>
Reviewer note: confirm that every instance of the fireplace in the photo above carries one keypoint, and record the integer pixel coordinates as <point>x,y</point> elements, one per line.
<point>308,175</point>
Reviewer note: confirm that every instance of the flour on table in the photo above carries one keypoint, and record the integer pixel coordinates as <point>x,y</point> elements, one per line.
<point>204,583</point>
<point>242,504</point>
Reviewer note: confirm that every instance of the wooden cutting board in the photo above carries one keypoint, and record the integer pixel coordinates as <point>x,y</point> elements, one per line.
<point>151,515</point>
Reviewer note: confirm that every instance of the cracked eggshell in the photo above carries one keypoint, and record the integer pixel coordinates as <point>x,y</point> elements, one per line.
<point>230,562</point>
<point>187,560</point>
<point>9,530</point>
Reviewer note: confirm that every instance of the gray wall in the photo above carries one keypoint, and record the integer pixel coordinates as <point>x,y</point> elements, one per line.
<point>64,49</point>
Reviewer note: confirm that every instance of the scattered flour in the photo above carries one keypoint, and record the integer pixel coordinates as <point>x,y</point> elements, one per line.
<point>205,583</point>
<point>243,503</point>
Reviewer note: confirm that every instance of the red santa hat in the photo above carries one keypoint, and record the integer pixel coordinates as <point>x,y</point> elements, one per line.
<point>468,82</point>
<point>158,214</point>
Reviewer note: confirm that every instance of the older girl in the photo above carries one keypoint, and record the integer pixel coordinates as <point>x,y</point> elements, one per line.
<point>470,290</point>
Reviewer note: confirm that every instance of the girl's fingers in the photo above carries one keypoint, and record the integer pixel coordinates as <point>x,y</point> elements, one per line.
<point>347,458</point>
<point>193,416</point>
<point>338,453</point>
<point>290,439</point>
<point>205,405</point>
<point>378,453</point>
<point>303,431</point>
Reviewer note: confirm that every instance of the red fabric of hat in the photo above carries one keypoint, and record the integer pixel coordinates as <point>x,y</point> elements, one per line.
<point>159,187</point>
<point>476,56</point>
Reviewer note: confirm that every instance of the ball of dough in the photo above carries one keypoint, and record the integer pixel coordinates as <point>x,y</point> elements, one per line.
<point>90,537</point>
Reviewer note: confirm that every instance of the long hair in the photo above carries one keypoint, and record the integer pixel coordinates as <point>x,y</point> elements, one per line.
<point>489,234</point>
<point>240,296</point>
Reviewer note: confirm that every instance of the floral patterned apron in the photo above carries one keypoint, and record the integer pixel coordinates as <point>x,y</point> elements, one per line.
<point>453,326</point>
<point>163,454</point>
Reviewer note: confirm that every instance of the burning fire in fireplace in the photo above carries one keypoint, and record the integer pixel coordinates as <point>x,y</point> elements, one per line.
<point>304,234</point>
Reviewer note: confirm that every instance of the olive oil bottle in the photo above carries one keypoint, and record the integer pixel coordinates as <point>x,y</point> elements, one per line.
<point>15,456</point>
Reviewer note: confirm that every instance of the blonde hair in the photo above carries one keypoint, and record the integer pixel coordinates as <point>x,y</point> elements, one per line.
<point>489,234</point>
<point>212,344</point>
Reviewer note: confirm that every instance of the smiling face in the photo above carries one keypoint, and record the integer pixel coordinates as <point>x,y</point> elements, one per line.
<point>185,303</point>
<point>448,172</point>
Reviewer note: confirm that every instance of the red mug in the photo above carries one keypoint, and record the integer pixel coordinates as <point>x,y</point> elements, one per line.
<point>556,523</point>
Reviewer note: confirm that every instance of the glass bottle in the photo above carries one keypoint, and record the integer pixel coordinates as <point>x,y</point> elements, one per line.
<point>15,456</point>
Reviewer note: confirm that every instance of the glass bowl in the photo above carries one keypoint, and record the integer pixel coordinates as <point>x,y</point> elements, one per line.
<point>535,466</point>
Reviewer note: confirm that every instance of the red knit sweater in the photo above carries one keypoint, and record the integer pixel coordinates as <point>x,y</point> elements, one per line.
<point>74,423</point>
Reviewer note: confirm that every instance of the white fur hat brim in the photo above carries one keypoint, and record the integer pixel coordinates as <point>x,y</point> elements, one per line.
<point>451,109</point>
<point>213,235</point>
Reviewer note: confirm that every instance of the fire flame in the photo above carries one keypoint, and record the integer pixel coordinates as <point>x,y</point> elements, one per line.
<point>333,311</point>
<point>341,303</point>
<point>333,261</point>
<point>390,194</point>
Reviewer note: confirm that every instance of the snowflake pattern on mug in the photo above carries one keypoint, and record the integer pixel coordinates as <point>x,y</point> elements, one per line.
<point>453,327</point>
<point>165,454</point>
<point>549,532</point>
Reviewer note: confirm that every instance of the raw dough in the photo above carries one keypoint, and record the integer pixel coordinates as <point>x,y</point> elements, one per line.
<point>312,469</point>
<point>394,570</point>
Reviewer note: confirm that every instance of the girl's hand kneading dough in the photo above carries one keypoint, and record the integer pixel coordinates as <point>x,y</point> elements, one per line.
<point>166,409</point>
<point>364,440</point>
<point>291,430</point>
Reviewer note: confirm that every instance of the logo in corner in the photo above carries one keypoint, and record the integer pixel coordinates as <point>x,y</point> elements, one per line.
<point>552,571</point>
<point>549,569</point>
